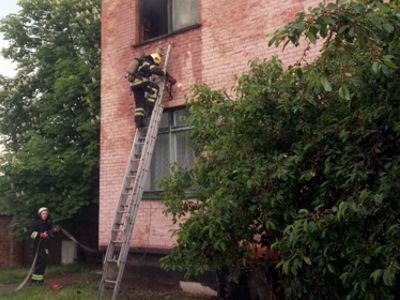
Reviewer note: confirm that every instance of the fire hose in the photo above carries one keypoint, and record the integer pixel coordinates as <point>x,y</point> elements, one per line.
<point>71,237</point>
<point>25,281</point>
<point>68,235</point>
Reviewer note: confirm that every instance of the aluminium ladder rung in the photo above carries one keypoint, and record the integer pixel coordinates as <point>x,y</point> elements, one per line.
<point>117,242</point>
<point>125,194</point>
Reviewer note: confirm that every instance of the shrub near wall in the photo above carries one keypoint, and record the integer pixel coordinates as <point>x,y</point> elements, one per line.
<point>306,160</point>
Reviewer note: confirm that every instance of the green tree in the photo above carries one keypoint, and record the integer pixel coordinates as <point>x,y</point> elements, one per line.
<point>305,161</point>
<point>49,113</point>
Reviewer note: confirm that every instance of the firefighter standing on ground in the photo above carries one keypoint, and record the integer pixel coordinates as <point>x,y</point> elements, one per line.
<point>41,231</point>
<point>144,90</point>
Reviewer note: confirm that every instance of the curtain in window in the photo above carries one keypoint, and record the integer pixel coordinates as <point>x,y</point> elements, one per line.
<point>172,146</point>
<point>159,164</point>
<point>184,152</point>
<point>179,117</point>
<point>184,13</point>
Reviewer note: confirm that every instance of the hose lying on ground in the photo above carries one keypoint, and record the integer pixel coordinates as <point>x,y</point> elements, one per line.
<point>68,235</point>
<point>28,276</point>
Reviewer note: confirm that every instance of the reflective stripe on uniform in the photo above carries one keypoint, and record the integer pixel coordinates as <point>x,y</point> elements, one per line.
<point>139,111</point>
<point>152,96</point>
<point>141,78</point>
<point>37,277</point>
<point>139,81</point>
<point>34,234</point>
<point>144,64</point>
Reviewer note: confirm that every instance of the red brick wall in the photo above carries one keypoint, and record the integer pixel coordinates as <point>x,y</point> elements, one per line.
<point>232,32</point>
<point>10,249</point>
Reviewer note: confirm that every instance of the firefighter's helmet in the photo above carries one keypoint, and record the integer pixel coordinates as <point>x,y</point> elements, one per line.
<point>156,58</point>
<point>42,209</point>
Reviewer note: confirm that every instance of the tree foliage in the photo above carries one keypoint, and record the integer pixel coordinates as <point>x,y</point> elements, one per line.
<point>49,111</point>
<point>305,161</point>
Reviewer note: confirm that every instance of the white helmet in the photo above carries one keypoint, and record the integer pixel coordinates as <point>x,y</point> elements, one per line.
<point>42,209</point>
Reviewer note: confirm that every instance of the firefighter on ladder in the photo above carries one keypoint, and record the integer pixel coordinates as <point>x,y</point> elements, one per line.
<point>41,231</point>
<point>145,91</point>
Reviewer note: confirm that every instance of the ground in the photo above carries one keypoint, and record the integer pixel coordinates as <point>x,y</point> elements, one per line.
<point>80,283</point>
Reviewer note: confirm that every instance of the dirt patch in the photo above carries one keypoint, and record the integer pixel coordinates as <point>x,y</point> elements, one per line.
<point>133,287</point>
<point>74,278</point>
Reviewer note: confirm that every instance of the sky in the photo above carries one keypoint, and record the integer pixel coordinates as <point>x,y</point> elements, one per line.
<point>6,66</point>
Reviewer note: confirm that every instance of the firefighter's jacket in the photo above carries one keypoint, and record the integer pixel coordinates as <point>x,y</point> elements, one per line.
<point>145,70</point>
<point>40,226</point>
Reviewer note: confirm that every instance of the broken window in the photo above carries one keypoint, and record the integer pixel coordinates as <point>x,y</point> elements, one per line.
<point>160,17</point>
<point>172,146</point>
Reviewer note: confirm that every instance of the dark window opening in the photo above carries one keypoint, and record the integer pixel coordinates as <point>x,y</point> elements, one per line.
<point>160,17</point>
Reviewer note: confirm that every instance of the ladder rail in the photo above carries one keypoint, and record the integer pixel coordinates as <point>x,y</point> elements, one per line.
<point>121,202</point>
<point>145,160</point>
<point>152,129</point>
<point>143,167</point>
<point>123,198</point>
<point>131,201</point>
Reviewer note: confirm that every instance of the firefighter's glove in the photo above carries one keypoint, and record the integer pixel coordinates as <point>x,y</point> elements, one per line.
<point>43,235</point>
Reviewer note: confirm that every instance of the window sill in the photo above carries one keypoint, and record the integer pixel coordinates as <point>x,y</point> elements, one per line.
<point>159,195</point>
<point>194,26</point>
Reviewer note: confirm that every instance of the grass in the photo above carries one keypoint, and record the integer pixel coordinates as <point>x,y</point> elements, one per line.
<point>16,275</point>
<point>84,286</point>
<point>88,292</point>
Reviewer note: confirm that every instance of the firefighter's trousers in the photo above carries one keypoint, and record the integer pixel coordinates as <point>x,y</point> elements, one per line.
<point>41,261</point>
<point>145,94</point>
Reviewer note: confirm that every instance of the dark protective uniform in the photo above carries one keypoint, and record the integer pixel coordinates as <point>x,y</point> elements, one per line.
<point>144,90</point>
<point>40,228</point>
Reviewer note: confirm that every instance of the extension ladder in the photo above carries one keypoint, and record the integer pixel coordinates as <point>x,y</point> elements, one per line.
<point>131,195</point>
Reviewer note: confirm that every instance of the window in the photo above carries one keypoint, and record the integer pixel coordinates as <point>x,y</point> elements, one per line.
<point>172,146</point>
<point>160,17</point>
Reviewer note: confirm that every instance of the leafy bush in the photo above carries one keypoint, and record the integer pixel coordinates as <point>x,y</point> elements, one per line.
<point>304,161</point>
<point>49,111</point>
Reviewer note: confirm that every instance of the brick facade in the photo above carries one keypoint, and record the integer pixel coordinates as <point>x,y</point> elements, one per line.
<point>231,33</point>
